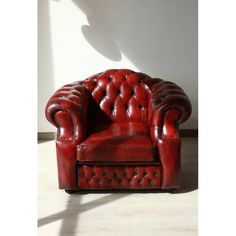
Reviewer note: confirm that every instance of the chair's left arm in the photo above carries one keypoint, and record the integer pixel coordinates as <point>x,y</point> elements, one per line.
<point>169,106</point>
<point>67,109</point>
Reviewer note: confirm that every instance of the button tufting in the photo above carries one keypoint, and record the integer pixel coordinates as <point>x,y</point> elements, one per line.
<point>120,177</point>
<point>89,98</point>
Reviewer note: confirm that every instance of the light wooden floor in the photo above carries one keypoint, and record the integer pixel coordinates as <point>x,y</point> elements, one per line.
<point>117,214</point>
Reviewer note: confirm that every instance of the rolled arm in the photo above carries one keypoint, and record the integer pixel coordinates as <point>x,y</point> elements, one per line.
<point>169,106</point>
<point>67,110</point>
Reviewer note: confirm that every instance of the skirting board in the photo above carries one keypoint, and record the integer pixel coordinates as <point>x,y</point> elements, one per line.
<point>183,133</point>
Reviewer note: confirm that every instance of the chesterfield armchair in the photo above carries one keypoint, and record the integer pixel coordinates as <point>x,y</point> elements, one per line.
<point>118,130</point>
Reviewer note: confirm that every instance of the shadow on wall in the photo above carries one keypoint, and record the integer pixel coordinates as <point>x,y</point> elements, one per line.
<point>153,34</point>
<point>159,37</point>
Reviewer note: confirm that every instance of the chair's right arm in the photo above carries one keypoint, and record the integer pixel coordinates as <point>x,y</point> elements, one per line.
<point>67,109</point>
<point>169,107</point>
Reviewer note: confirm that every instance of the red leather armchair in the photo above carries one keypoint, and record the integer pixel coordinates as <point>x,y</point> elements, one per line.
<point>118,130</point>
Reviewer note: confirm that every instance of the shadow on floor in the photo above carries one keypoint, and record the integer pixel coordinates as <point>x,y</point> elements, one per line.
<point>73,209</point>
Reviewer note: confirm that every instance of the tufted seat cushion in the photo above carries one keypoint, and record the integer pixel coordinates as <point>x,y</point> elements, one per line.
<point>117,142</point>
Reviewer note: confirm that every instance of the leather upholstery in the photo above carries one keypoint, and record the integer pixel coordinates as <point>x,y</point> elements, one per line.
<point>66,162</point>
<point>166,96</point>
<point>119,177</point>
<point>67,110</point>
<point>118,117</point>
<point>117,142</point>
<point>118,96</point>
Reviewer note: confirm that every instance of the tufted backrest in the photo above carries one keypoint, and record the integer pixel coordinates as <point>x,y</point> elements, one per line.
<point>118,96</point>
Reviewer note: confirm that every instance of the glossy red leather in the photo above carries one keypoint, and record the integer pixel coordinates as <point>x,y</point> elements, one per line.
<point>166,95</point>
<point>119,177</point>
<point>66,163</point>
<point>149,110</point>
<point>67,110</point>
<point>118,96</point>
<point>169,151</point>
<point>117,142</point>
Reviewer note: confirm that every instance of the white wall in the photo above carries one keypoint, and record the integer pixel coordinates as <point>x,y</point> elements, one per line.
<point>78,38</point>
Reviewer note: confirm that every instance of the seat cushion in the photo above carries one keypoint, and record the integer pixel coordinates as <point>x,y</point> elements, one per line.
<point>117,142</point>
